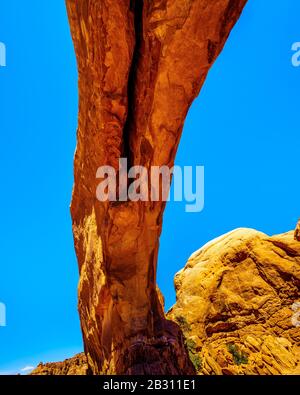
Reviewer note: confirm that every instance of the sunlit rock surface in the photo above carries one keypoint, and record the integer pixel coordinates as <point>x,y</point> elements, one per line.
<point>238,304</point>
<point>141,64</point>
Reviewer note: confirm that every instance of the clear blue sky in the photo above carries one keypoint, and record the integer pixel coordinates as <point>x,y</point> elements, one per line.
<point>243,128</point>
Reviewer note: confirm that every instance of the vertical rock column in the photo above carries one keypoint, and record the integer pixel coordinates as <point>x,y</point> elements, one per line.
<point>297,231</point>
<point>140,64</point>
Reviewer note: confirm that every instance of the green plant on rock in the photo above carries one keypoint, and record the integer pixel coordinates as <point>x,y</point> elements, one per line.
<point>239,357</point>
<point>194,356</point>
<point>182,322</point>
<point>196,361</point>
<point>190,344</point>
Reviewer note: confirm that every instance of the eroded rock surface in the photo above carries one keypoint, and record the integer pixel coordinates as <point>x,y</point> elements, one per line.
<point>238,304</point>
<point>140,63</point>
<point>297,231</point>
<point>72,366</point>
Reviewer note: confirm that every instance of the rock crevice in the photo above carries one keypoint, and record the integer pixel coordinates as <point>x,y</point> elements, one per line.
<point>248,322</point>
<point>138,75</point>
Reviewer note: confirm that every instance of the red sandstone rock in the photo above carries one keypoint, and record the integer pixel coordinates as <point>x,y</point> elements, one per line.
<point>140,64</point>
<point>238,305</point>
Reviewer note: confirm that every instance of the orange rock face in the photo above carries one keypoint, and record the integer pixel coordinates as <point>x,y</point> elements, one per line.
<point>72,366</point>
<point>140,63</point>
<point>238,304</point>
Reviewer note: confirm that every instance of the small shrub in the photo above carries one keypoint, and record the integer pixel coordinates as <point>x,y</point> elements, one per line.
<point>182,322</point>
<point>196,361</point>
<point>194,357</point>
<point>190,344</point>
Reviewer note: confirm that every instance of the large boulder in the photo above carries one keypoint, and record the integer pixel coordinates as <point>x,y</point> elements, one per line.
<point>70,367</point>
<point>238,304</point>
